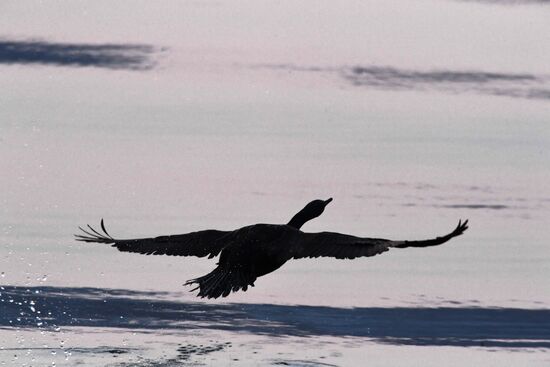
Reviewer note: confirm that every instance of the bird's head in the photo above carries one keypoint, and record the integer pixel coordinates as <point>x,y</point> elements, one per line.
<point>316,208</point>
<point>310,211</point>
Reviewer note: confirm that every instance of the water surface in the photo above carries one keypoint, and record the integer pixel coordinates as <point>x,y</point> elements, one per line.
<point>190,115</point>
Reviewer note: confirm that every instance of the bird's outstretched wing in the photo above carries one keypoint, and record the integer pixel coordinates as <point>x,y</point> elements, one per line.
<point>202,243</point>
<point>342,246</point>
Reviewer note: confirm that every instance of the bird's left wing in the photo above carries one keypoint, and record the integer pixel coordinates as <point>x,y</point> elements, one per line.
<point>202,243</point>
<point>343,246</point>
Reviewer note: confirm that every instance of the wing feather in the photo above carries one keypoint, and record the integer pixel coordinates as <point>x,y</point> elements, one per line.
<point>202,243</point>
<point>343,246</point>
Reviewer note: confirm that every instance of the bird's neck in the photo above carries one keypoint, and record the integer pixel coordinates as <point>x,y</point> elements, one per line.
<point>298,220</point>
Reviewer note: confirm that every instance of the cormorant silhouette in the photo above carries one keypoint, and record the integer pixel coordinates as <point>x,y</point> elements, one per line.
<point>252,251</point>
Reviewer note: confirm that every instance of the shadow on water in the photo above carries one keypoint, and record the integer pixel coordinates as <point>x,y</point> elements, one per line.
<point>111,56</point>
<point>53,307</point>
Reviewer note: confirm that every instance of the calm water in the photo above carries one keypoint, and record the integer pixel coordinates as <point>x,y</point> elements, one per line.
<point>182,116</point>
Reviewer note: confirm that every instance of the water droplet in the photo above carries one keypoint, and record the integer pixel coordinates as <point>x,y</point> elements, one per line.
<point>32,309</point>
<point>44,278</point>
<point>2,274</point>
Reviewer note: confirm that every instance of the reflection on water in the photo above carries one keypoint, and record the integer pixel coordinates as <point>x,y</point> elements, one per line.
<point>516,85</point>
<point>479,198</point>
<point>111,56</point>
<point>388,76</point>
<point>500,84</point>
<point>464,326</point>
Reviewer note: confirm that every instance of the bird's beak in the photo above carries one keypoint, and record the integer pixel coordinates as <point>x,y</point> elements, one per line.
<point>328,201</point>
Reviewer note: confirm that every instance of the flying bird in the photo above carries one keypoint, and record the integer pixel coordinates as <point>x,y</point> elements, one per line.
<point>259,249</point>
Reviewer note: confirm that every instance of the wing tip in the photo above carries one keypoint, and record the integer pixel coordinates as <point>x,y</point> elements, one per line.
<point>461,228</point>
<point>93,235</point>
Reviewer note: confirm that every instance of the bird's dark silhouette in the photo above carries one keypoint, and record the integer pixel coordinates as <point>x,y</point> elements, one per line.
<point>252,251</point>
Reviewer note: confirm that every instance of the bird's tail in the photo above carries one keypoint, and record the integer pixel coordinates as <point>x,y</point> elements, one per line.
<point>220,282</point>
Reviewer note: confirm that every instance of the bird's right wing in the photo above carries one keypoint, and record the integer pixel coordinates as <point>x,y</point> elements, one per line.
<point>202,243</point>
<point>343,246</point>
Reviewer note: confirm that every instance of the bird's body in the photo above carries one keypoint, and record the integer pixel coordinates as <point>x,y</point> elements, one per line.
<point>256,250</point>
<point>265,245</point>
<point>249,253</point>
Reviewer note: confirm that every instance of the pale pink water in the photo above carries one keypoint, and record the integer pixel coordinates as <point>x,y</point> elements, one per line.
<point>218,135</point>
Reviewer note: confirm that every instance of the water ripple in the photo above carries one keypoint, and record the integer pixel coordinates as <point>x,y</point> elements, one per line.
<point>110,56</point>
